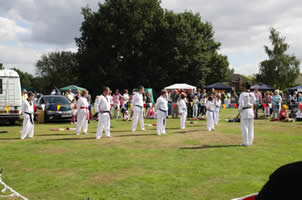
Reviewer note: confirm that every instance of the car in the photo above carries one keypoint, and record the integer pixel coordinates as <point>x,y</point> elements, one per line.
<point>56,108</point>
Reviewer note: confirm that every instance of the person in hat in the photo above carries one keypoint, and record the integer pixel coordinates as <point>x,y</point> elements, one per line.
<point>138,108</point>
<point>246,101</point>
<point>161,107</point>
<point>82,113</point>
<point>283,115</point>
<point>182,111</point>
<point>104,114</point>
<point>28,121</point>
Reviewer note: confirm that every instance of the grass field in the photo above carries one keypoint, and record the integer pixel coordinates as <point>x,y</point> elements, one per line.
<point>191,164</point>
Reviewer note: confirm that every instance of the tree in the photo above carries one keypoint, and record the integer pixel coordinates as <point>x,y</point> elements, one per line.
<point>280,70</point>
<point>57,69</point>
<point>26,79</point>
<point>131,42</point>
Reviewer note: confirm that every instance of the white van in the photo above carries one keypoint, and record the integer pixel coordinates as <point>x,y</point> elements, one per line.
<point>10,96</point>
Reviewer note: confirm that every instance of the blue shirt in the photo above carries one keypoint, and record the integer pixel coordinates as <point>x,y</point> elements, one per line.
<point>277,99</point>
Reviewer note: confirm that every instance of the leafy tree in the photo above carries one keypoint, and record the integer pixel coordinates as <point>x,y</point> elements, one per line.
<point>26,79</point>
<point>131,42</point>
<point>56,70</point>
<point>280,70</point>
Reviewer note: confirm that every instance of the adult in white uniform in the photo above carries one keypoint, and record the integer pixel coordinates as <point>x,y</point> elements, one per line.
<point>82,113</point>
<point>217,110</point>
<point>161,107</point>
<point>138,109</point>
<point>210,113</point>
<point>182,111</point>
<point>28,121</point>
<point>104,114</point>
<point>246,101</point>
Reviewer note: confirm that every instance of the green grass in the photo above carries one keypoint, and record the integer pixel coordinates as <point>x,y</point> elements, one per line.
<point>191,164</point>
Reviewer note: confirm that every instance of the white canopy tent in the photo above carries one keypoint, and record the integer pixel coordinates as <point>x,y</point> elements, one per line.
<point>182,86</point>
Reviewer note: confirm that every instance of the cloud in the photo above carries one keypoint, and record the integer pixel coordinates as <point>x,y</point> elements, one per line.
<point>32,27</point>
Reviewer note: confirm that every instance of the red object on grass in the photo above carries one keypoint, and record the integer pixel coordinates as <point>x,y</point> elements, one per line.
<point>154,124</point>
<point>236,105</point>
<point>264,105</point>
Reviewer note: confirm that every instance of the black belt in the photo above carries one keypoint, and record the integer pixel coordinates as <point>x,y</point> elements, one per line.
<point>139,106</point>
<point>165,111</point>
<point>246,108</point>
<point>30,117</point>
<point>102,112</point>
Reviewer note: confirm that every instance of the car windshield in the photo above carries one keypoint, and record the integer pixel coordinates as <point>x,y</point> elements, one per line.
<point>57,100</point>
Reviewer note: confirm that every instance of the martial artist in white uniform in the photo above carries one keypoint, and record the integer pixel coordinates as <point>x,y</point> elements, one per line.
<point>104,114</point>
<point>217,110</point>
<point>182,111</point>
<point>28,121</point>
<point>246,101</point>
<point>210,113</point>
<point>82,113</point>
<point>138,109</point>
<point>161,107</point>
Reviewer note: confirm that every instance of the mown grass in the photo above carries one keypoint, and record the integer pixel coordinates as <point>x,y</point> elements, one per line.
<point>191,164</point>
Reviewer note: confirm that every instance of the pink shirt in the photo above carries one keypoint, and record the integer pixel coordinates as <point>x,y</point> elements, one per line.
<point>116,98</point>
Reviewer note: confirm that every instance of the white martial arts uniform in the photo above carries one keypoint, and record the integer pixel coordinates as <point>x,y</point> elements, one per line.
<point>138,111</point>
<point>82,115</point>
<point>217,110</point>
<point>210,115</point>
<point>28,121</point>
<point>246,102</point>
<point>96,104</point>
<point>183,113</point>
<point>104,117</point>
<point>161,107</point>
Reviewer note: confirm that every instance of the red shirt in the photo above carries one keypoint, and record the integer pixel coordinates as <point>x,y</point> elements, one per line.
<point>283,114</point>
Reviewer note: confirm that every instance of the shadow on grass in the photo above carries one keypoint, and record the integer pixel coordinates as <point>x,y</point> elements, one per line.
<point>70,139</point>
<point>187,131</point>
<point>9,139</point>
<point>55,134</point>
<point>210,146</point>
<point>135,135</point>
<point>120,131</point>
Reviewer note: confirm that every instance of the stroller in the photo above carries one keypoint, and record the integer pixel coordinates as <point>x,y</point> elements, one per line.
<point>293,110</point>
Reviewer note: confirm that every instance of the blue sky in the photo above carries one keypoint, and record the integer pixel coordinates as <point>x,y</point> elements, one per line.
<point>30,28</point>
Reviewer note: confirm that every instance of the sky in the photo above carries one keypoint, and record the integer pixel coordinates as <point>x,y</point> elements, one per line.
<point>31,28</point>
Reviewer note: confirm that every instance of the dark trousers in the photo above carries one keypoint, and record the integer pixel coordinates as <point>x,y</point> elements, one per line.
<point>203,110</point>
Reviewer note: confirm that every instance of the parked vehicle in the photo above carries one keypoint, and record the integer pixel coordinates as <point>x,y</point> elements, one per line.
<point>56,107</point>
<point>10,96</point>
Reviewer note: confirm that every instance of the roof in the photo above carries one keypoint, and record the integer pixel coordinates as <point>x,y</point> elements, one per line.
<point>181,86</point>
<point>8,73</point>
<point>296,88</point>
<point>72,87</point>
<point>261,86</point>
<point>218,86</point>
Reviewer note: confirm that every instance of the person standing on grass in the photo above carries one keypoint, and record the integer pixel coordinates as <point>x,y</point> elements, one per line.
<point>276,100</point>
<point>246,101</point>
<point>28,113</point>
<point>138,108</point>
<point>104,114</point>
<point>182,111</point>
<point>210,113</point>
<point>217,110</point>
<point>162,112</point>
<point>82,113</point>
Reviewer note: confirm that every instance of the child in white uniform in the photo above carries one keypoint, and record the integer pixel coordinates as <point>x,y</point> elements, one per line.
<point>182,111</point>
<point>210,113</point>
<point>28,113</point>
<point>217,109</point>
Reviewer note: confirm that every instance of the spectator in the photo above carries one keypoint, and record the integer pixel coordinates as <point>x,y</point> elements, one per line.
<point>174,98</point>
<point>24,95</point>
<point>203,105</point>
<point>116,97</point>
<point>299,113</point>
<point>267,101</point>
<point>70,95</point>
<point>276,102</point>
<point>78,95</point>
<point>283,115</point>
<point>126,98</point>
<point>148,104</point>
<point>195,107</point>
<point>299,98</point>
<point>258,96</point>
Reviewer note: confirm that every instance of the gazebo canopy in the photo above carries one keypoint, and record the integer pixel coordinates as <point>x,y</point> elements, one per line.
<point>218,86</point>
<point>72,88</point>
<point>182,86</point>
<point>261,86</point>
<point>297,88</point>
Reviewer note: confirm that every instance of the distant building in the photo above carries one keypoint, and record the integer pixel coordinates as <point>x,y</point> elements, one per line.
<point>238,81</point>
